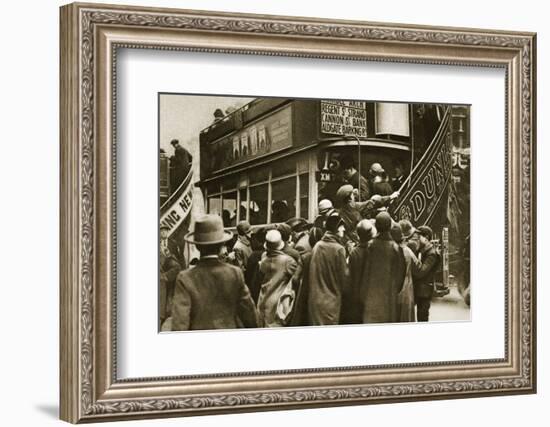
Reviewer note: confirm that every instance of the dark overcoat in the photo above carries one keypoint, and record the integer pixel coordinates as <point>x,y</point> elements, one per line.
<point>352,307</point>
<point>382,280</point>
<point>328,277</point>
<point>405,297</point>
<point>212,295</point>
<point>423,273</point>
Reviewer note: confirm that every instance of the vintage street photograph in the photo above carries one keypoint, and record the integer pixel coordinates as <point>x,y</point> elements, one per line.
<point>285,212</point>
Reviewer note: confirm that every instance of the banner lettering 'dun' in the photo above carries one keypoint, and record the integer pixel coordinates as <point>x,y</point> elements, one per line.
<point>425,189</point>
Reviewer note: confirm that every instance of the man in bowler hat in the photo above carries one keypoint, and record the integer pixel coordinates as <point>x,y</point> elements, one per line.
<point>213,294</point>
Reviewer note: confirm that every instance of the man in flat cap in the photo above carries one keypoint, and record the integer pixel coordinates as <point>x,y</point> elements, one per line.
<point>351,175</point>
<point>213,294</point>
<point>423,275</point>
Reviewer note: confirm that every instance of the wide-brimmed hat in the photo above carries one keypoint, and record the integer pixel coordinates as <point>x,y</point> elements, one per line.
<point>407,228</point>
<point>274,240</point>
<point>164,227</point>
<point>344,191</point>
<point>208,231</point>
<point>383,222</point>
<point>174,142</point>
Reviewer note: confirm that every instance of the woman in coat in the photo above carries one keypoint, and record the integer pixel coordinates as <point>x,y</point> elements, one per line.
<point>276,272</point>
<point>405,297</point>
<point>328,275</point>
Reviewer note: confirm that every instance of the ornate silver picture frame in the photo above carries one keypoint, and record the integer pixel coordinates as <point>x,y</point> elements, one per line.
<point>91,36</point>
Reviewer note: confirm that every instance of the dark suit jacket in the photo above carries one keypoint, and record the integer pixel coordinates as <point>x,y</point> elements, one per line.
<point>212,295</point>
<point>424,271</point>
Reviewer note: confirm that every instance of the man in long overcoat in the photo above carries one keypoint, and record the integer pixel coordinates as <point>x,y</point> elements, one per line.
<point>352,308</point>
<point>328,275</point>
<point>211,295</point>
<point>381,282</point>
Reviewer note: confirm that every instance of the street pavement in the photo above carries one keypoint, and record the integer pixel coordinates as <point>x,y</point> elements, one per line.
<point>450,307</point>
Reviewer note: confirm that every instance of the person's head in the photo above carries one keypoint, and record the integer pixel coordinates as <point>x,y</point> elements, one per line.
<point>425,235</point>
<point>244,229</point>
<point>163,232</point>
<point>174,143</point>
<point>207,250</point>
<point>258,239</point>
<point>274,241</point>
<point>407,228</point>
<point>396,233</point>
<point>325,206</point>
<point>398,169</point>
<point>383,222</point>
<point>348,167</point>
<point>345,194</point>
<point>335,224</point>
<point>208,235</point>
<point>365,230</point>
<point>218,114</point>
<point>376,169</point>
<point>315,234</point>
<point>285,231</point>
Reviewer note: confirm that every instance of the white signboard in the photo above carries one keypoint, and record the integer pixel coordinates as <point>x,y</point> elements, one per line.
<point>344,118</point>
<point>392,119</point>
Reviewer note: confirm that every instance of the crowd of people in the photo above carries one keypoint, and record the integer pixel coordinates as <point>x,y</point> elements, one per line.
<point>353,264</point>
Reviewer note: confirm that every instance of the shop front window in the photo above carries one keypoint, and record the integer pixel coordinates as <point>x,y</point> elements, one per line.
<point>283,205</point>
<point>304,195</point>
<point>244,204</point>
<point>214,205</point>
<point>258,204</point>
<point>229,206</point>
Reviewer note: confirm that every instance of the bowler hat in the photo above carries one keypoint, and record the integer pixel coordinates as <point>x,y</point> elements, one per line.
<point>383,222</point>
<point>333,222</point>
<point>425,231</point>
<point>243,228</point>
<point>208,231</point>
<point>344,191</point>
<point>164,227</point>
<point>407,228</point>
<point>274,240</point>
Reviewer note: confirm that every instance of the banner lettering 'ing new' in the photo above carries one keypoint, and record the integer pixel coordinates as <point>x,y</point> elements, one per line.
<point>427,185</point>
<point>178,206</point>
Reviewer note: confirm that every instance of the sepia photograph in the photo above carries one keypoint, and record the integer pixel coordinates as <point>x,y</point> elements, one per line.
<point>281,212</point>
